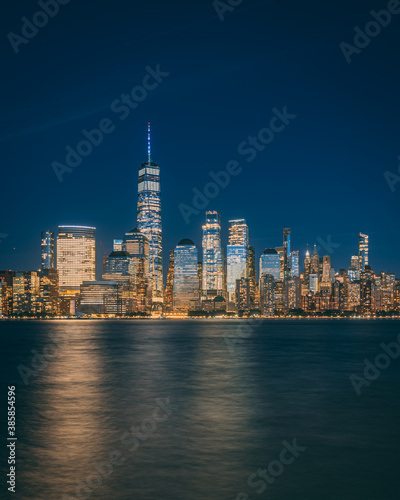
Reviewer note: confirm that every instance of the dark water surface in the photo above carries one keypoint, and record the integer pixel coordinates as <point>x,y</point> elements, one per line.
<point>229,410</point>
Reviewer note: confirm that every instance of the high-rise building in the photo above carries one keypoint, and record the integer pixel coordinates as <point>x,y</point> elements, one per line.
<point>314,261</point>
<point>314,283</point>
<point>212,270</point>
<point>149,219</point>
<point>76,256</point>
<point>47,248</point>
<point>137,246</point>
<point>6,280</point>
<point>293,293</point>
<point>307,270</point>
<point>354,269</point>
<point>242,294</point>
<point>326,269</point>
<point>295,263</point>
<point>49,291</point>
<point>270,263</point>
<point>237,256</point>
<point>26,287</point>
<point>286,253</point>
<point>186,277</point>
<point>169,288</point>
<point>367,289</point>
<point>267,297</point>
<point>253,278</point>
<point>363,251</point>
<point>120,267</point>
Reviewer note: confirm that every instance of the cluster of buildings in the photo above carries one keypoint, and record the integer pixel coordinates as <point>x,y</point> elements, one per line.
<point>230,281</point>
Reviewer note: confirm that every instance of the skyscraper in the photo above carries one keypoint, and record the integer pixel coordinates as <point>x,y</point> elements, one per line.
<point>47,248</point>
<point>237,255</point>
<point>286,253</point>
<point>149,218</point>
<point>267,295</point>
<point>169,287</point>
<point>213,270</point>
<point>138,247</point>
<point>270,263</point>
<point>186,277</point>
<point>307,270</point>
<point>76,256</point>
<point>253,277</point>
<point>363,251</point>
<point>314,261</point>
<point>295,263</point>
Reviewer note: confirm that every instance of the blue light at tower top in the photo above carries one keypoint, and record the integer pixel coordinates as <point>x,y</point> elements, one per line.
<point>148,143</point>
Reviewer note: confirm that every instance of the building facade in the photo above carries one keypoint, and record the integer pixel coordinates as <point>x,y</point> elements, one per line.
<point>149,220</point>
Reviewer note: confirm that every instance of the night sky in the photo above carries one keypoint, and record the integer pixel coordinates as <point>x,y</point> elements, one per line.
<point>322,175</point>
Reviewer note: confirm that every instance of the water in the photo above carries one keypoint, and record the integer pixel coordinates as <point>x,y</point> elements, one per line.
<point>229,410</point>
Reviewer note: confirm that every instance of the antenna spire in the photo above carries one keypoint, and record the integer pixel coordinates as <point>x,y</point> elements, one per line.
<point>148,143</point>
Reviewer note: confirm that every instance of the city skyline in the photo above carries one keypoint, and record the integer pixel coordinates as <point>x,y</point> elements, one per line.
<point>146,172</point>
<point>335,153</point>
<point>149,223</point>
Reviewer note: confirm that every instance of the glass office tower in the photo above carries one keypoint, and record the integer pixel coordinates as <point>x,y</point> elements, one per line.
<point>186,277</point>
<point>149,219</point>
<point>295,263</point>
<point>363,251</point>
<point>47,248</point>
<point>138,247</point>
<point>270,263</point>
<point>76,256</point>
<point>286,253</point>
<point>213,268</point>
<point>237,256</point>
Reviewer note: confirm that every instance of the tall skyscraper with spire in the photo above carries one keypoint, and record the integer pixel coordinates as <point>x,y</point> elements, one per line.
<point>149,218</point>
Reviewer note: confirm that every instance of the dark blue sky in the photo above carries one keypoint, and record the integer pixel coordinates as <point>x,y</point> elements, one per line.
<point>323,175</point>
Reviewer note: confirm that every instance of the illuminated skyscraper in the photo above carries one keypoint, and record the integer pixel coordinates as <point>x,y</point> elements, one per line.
<point>47,247</point>
<point>169,288</point>
<point>237,255</point>
<point>295,264</point>
<point>286,253</point>
<point>149,218</point>
<point>76,256</point>
<point>363,251</point>
<point>253,277</point>
<point>213,270</point>
<point>186,277</point>
<point>354,269</point>
<point>307,270</point>
<point>267,294</point>
<point>138,247</point>
<point>314,261</point>
<point>270,263</point>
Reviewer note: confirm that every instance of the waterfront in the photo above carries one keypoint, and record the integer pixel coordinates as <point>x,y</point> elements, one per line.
<point>237,390</point>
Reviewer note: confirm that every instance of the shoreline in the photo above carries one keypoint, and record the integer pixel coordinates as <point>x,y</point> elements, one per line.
<point>250,318</point>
